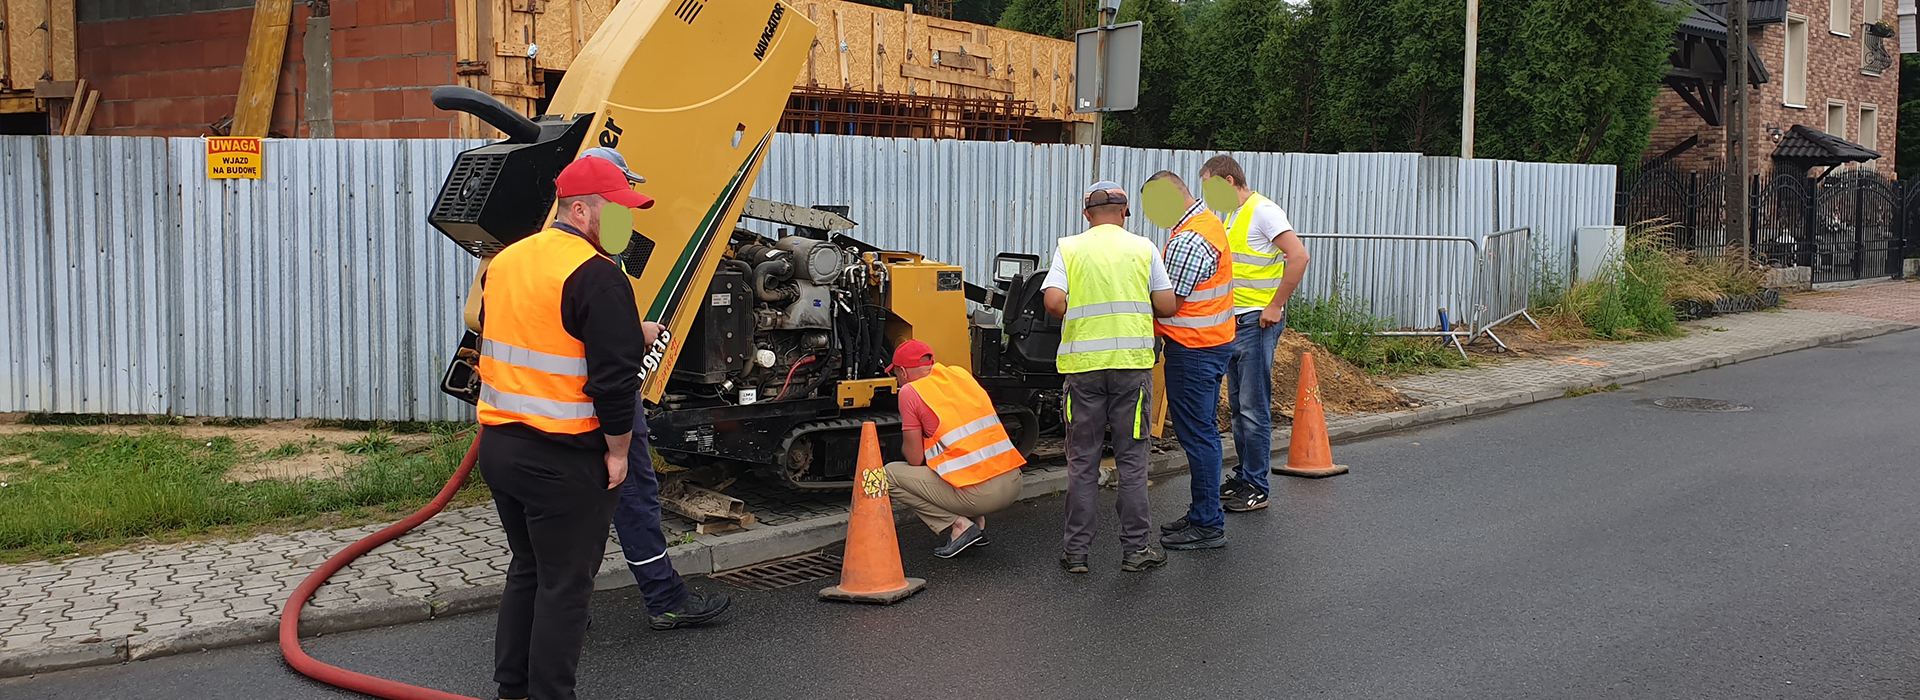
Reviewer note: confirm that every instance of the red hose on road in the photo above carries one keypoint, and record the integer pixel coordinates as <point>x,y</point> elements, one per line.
<point>290,616</point>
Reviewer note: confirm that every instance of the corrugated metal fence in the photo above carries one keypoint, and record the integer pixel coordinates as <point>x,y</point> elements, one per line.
<point>136,285</point>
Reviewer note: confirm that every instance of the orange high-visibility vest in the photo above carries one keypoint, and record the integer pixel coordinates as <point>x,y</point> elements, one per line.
<point>971,445</point>
<point>531,370</point>
<point>1205,318</point>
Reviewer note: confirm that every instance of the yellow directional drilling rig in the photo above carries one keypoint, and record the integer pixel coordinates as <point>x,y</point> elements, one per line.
<point>775,350</point>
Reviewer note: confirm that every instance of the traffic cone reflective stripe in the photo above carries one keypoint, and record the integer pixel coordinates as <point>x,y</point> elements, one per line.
<point>871,572</point>
<point>1309,454</point>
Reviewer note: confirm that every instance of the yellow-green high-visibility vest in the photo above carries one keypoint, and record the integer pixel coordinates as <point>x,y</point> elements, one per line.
<point>1256,275</point>
<point>1109,320</point>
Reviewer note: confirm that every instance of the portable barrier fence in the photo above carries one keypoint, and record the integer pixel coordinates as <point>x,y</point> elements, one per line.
<point>1457,288</point>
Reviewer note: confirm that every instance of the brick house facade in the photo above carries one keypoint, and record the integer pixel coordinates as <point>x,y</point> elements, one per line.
<point>1833,79</point>
<point>173,68</point>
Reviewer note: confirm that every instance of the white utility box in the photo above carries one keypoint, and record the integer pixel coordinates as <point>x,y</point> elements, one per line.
<point>1595,248</point>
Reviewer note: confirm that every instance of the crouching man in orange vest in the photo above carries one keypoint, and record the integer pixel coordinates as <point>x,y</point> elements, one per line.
<point>960,464</point>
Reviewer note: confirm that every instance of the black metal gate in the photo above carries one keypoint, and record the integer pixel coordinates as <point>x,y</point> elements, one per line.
<point>1845,226</point>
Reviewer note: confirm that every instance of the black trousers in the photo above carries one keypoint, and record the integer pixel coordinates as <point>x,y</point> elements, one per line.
<point>555,507</point>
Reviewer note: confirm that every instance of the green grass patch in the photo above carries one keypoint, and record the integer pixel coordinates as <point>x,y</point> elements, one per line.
<point>234,422</point>
<point>393,427</point>
<point>62,419</point>
<point>375,443</point>
<point>1577,392</point>
<point>1625,301</point>
<point>1346,328</point>
<point>80,488</point>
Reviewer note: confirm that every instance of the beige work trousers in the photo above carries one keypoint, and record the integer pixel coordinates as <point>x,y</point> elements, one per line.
<point>939,503</point>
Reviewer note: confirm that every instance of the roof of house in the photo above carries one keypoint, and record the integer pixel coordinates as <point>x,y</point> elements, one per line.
<point>1711,26</point>
<point>1813,147</point>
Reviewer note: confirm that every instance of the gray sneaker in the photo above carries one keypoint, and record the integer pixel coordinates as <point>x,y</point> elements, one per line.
<point>971,537</point>
<point>1142,560</point>
<point>1073,563</point>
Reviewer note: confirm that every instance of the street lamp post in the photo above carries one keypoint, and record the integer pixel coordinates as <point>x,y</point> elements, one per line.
<point>1473,60</point>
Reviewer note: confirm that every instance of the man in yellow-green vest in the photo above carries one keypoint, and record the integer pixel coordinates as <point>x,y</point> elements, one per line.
<point>1107,285</point>
<point>1268,263</point>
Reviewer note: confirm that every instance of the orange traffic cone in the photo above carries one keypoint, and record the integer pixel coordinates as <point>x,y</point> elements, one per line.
<point>1308,452</point>
<point>870,572</point>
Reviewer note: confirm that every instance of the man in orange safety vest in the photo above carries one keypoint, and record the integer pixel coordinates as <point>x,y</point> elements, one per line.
<point>960,464</point>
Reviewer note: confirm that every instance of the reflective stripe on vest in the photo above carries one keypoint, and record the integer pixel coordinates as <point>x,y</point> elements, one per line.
<point>1205,318</point>
<point>531,370</point>
<point>1111,307</point>
<point>551,364</point>
<point>970,446</point>
<point>1109,318</point>
<point>1256,275</point>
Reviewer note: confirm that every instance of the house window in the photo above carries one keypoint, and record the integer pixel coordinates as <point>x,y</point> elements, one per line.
<point>1837,118</point>
<point>1794,82</point>
<point>1871,10</point>
<point>1869,130</point>
<point>1840,17</point>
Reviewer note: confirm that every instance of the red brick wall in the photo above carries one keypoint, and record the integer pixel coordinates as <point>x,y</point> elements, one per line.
<point>1833,72</point>
<point>176,75</point>
<point>386,55</point>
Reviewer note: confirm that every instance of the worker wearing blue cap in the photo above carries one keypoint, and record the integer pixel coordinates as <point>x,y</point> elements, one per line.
<point>670,603</point>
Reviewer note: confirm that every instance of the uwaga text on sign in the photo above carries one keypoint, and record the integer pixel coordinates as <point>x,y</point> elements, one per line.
<point>234,157</point>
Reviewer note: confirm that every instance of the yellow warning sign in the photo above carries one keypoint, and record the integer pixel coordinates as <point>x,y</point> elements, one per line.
<point>234,157</point>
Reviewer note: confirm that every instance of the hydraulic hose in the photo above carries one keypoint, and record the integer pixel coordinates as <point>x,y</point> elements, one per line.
<point>290,616</point>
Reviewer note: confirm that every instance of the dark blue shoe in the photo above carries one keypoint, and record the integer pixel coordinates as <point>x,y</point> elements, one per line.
<point>971,537</point>
<point>1195,537</point>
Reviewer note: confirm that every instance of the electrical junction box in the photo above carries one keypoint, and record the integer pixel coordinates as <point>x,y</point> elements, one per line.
<point>1596,248</point>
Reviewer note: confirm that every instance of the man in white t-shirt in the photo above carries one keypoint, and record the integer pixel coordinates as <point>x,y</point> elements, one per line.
<point>1268,263</point>
<point>1107,285</point>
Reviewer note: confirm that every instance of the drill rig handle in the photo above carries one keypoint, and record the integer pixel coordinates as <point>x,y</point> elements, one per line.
<point>456,98</point>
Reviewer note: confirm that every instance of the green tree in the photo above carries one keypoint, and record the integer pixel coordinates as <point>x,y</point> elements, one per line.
<point>1042,17</point>
<point>1220,100</point>
<point>1424,91</point>
<point>1907,142</point>
<point>1163,67</point>
<point>1576,80</point>
<point>1288,69</point>
<point>1357,63</point>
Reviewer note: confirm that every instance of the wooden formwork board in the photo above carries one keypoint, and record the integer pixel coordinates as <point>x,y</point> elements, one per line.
<point>872,49</point>
<point>37,43</point>
<point>858,47</point>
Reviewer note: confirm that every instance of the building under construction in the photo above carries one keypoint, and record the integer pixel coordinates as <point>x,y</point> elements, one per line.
<point>362,68</point>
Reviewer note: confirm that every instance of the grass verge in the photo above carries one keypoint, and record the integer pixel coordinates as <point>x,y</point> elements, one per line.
<point>1346,328</point>
<point>71,491</point>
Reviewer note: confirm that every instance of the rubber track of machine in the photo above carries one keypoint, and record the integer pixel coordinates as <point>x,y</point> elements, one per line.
<point>849,422</point>
<point>290,615</point>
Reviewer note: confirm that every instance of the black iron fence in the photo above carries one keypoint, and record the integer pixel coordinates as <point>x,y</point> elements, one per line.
<point>1845,226</point>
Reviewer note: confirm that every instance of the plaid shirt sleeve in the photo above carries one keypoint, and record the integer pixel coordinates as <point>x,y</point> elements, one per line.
<point>1190,261</point>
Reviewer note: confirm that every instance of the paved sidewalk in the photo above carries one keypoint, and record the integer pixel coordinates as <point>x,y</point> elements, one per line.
<point>170,599</point>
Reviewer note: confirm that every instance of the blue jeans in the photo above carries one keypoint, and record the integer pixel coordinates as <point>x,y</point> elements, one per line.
<point>1193,394</point>
<point>1250,391</point>
<point>637,520</point>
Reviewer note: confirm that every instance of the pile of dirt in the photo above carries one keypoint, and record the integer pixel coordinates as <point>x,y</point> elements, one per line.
<point>1343,387</point>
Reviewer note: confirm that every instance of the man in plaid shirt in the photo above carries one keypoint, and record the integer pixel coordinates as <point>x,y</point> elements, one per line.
<point>1199,344</point>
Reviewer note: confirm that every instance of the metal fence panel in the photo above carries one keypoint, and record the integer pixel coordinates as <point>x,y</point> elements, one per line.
<point>136,285</point>
<point>26,297</point>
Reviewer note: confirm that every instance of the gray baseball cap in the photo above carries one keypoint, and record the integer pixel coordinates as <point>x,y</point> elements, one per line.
<point>613,156</point>
<point>1105,192</point>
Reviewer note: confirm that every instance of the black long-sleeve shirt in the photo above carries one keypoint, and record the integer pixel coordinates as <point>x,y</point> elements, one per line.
<point>596,308</point>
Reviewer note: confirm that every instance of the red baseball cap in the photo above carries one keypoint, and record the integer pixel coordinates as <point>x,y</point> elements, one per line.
<point>597,176</point>
<point>911,354</point>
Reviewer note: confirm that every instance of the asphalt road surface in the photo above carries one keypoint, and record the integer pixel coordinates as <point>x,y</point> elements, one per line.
<point>1591,547</point>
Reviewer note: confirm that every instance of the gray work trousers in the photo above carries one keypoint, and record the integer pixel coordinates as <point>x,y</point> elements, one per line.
<point>1119,399</point>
